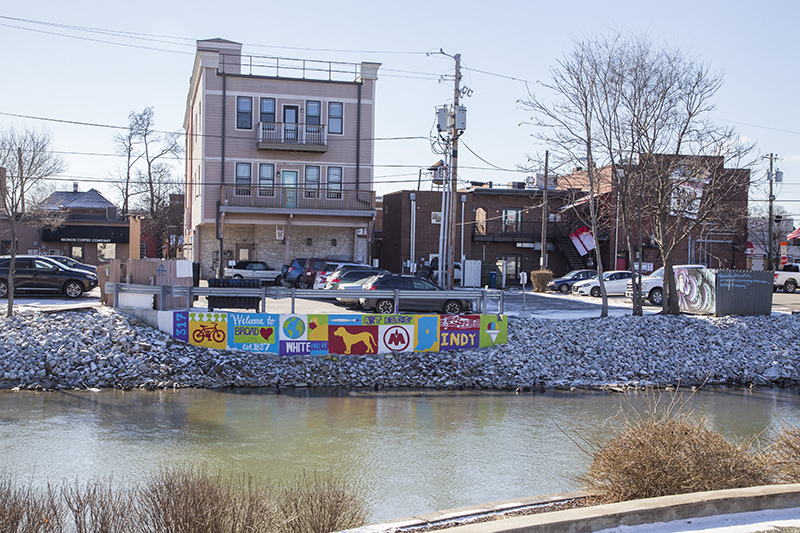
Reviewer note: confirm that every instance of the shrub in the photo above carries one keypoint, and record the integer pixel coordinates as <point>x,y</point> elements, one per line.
<point>194,501</point>
<point>784,452</point>
<point>27,510</point>
<point>669,453</point>
<point>319,504</point>
<point>540,279</point>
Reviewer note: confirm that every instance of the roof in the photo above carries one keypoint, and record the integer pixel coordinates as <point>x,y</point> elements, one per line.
<point>91,199</point>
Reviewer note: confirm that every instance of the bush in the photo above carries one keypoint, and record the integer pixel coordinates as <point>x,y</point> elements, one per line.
<point>540,279</point>
<point>784,452</point>
<point>669,453</point>
<point>27,510</point>
<point>318,504</point>
<point>180,500</point>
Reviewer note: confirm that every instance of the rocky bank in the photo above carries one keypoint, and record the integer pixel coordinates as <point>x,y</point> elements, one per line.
<point>102,348</point>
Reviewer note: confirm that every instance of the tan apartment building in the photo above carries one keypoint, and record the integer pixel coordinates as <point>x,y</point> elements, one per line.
<point>279,158</point>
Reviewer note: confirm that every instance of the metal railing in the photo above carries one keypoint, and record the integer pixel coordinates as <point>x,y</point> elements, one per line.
<point>262,196</point>
<point>479,297</point>
<point>292,133</point>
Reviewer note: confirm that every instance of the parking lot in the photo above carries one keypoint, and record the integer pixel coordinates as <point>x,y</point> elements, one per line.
<point>539,305</point>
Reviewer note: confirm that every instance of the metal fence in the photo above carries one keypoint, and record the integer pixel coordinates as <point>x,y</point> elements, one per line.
<point>479,297</point>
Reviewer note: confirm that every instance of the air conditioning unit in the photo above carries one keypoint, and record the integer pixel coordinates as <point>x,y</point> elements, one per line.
<point>516,185</point>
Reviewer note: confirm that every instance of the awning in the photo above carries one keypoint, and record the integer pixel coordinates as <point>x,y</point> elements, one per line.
<point>88,234</point>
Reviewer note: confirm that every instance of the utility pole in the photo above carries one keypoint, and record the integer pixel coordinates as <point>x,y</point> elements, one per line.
<point>452,121</point>
<point>453,177</point>
<point>771,253</point>
<point>543,254</point>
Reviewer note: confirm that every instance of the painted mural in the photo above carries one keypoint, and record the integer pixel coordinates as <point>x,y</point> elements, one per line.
<point>695,288</point>
<point>338,334</point>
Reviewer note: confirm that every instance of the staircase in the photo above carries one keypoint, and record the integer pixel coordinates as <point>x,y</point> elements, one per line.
<point>571,254</point>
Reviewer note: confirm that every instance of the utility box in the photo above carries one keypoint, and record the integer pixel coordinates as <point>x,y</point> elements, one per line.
<point>461,117</point>
<point>724,292</point>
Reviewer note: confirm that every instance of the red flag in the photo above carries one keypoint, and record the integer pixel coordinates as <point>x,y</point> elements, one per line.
<point>793,235</point>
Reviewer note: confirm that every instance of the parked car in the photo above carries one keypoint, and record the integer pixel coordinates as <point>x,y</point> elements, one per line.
<point>72,263</point>
<point>39,273</point>
<point>564,285</point>
<point>433,270</point>
<point>291,273</point>
<point>351,275</point>
<point>356,285</point>
<point>652,288</point>
<point>254,270</point>
<point>329,268</point>
<point>305,280</point>
<point>614,280</point>
<point>410,282</point>
<point>787,278</point>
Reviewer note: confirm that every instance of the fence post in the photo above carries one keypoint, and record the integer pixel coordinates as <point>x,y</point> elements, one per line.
<point>293,289</point>
<point>263,299</point>
<point>502,303</point>
<point>116,295</point>
<point>396,301</point>
<point>483,300</point>
<point>189,298</point>
<point>162,298</point>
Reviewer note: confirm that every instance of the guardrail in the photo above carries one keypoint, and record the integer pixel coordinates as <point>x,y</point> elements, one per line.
<point>479,297</point>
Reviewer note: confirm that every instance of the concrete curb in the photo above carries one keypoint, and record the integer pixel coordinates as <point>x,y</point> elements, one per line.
<point>638,512</point>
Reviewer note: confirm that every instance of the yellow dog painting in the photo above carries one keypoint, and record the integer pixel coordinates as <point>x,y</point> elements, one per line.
<point>351,339</point>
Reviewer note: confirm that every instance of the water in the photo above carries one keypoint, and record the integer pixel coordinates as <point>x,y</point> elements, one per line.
<point>406,452</point>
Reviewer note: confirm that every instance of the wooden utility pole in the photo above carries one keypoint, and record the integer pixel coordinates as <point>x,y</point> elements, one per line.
<point>454,180</point>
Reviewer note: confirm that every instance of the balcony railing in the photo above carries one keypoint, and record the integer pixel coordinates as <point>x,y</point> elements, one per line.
<point>260,198</point>
<point>519,231</point>
<point>292,136</point>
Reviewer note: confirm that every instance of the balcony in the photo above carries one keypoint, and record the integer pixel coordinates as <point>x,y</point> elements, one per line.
<point>292,137</point>
<point>496,230</point>
<point>292,199</point>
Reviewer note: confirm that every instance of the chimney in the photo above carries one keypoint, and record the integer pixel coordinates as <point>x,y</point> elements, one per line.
<point>75,186</point>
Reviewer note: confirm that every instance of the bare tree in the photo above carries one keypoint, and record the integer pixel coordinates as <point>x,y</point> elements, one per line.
<point>647,119</point>
<point>27,161</point>
<point>569,128</point>
<point>147,180</point>
<point>127,145</point>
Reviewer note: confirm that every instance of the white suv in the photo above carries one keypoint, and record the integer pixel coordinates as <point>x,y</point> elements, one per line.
<point>653,285</point>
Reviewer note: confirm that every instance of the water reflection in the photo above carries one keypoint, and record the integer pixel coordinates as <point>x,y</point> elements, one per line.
<point>407,451</point>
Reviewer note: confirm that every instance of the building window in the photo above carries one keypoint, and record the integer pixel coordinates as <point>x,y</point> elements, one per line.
<point>311,181</point>
<point>244,112</point>
<point>267,114</point>
<point>243,179</point>
<point>266,179</point>
<point>335,117</point>
<point>313,112</point>
<point>512,219</point>
<point>480,221</point>
<point>334,182</point>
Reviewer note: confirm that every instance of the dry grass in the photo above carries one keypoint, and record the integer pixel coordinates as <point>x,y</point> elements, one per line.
<point>784,452</point>
<point>669,450</point>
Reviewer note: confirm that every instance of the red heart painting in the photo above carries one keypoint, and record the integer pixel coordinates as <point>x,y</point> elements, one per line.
<point>266,333</point>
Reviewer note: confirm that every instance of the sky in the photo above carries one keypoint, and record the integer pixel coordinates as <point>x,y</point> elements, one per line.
<point>77,69</point>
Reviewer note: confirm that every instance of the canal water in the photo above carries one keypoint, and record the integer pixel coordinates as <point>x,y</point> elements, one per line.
<point>406,452</point>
